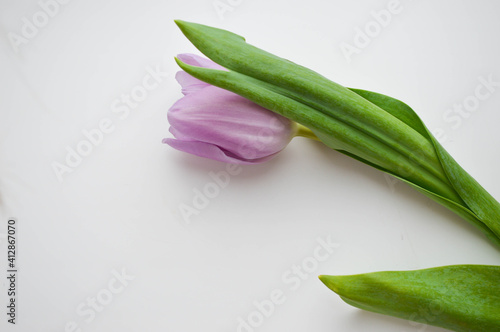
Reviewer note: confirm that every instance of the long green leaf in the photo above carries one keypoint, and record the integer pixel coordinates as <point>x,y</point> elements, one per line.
<point>481,206</point>
<point>459,297</point>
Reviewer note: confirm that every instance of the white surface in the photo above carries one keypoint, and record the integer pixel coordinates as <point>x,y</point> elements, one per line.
<point>119,209</point>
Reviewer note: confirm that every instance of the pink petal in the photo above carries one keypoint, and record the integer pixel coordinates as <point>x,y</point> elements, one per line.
<point>198,61</point>
<point>188,83</point>
<point>225,119</point>
<point>210,151</point>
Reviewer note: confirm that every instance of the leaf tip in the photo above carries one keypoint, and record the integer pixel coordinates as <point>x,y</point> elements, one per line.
<point>330,282</point>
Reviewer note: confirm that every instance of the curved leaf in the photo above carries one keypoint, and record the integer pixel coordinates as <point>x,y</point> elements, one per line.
<point>475,198</point>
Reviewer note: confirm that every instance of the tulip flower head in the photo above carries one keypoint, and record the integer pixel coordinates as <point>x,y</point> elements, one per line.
<point>218,124</point>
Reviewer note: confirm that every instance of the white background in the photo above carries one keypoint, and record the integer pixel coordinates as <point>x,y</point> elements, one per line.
<point>118,210</point>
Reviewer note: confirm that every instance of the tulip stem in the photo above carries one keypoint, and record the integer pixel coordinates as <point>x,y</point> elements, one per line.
<point>303,131</point>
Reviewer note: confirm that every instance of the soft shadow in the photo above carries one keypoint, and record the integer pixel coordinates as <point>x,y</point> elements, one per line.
<point>398,323</point>
<point>349,165</point>
<point>340,164</point>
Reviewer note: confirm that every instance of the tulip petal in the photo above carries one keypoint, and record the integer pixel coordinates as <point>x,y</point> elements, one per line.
<point>223,118</point>
<point>210,151</point>
<point>198,61</point>
<point>179,135</point>
<point>188,83</point>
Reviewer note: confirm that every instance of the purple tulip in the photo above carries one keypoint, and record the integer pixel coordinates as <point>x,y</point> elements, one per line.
<point>215,123</point>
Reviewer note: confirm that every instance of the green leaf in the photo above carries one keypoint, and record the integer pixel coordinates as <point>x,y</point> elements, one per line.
<point>475,196</point>
<point>459,297</point>
<point>396,108</point>
<point>482,209</point>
